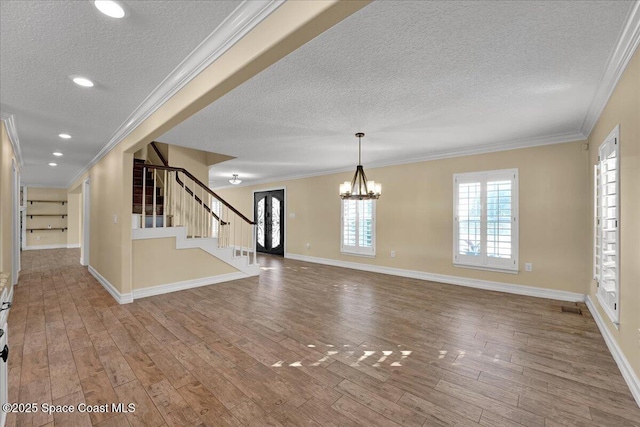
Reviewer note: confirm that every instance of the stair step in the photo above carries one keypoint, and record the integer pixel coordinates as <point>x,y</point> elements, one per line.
<point>137,209</point>
<point>148,199</point>
<point>137,190</point>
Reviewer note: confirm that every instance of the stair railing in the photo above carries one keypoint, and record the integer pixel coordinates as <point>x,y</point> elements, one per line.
<point>187,202</point>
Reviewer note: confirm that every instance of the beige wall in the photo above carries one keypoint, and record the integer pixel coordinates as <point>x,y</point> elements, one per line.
<point>37,238</point>
<point>6,214</point>
<point>195,161</point>
<point>74,218</point>
<point>111,182</point>
<point>158,262</point>
<point>415,215</point>
<point>624,109</point>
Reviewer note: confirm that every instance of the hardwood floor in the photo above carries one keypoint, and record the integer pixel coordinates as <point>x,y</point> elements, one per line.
<point>307,345</point>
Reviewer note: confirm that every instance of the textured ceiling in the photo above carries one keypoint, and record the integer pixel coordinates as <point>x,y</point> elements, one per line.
<point>42,43</point>
<point>418,77</point>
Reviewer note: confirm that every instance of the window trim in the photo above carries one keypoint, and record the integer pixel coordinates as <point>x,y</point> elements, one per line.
<point>483,262</point>
<point>612,313</point>
<point>358,250</point>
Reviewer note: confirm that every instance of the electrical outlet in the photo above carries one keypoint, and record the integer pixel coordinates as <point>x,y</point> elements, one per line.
<point>37,237</point>
<point>528,266</point>
<point>308,245</point>
<point>393,254</point>
<point>292,215</point>
<point>115,218</point>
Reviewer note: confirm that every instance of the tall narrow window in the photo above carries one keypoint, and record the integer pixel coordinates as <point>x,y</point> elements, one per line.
<point>485,220</point>
<point>358,227</point>
<point>606,263</point>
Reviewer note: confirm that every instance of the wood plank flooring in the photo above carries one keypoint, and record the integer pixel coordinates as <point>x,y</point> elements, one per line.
<point>305,345</point>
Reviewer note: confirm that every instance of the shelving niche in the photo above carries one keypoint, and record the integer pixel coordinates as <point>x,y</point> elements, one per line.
<point>46,215</point>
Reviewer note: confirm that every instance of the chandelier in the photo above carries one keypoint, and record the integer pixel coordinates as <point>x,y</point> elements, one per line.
<point>359,188</point>
<point>235,180</point>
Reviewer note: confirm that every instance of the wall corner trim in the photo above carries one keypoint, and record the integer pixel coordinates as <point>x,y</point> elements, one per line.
<point>120,298</point>
<point>623,364</point>
<point>622,53</point>
<point>12,131</point>
<point>450,280</point>
<point>187,284</point>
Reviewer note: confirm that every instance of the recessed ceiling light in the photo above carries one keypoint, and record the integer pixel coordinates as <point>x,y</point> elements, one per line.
<point>83,81</point>
<point>53,164</point>
<point>57,154</point>
<point>110,8</point>
<point>65,136</point>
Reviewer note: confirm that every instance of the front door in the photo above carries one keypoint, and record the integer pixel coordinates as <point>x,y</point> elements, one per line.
<point>268,210</point>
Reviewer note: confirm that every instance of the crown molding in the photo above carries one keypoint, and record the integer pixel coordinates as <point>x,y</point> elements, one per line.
<point>56,187</point>
<point>485,149</point>
<point>235,26</point>
<point>12,131</point>
<point>625,48</point>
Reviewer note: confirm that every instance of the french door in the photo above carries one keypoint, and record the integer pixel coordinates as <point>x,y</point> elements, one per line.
<point>268,211</point>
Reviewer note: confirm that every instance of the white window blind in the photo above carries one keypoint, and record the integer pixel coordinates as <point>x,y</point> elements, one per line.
<point>358,227</point>
<point>485,213</point>
<point>606,263</point>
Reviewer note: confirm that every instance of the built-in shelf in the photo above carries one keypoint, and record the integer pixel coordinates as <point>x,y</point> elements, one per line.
<point>62,215</point>
<point>43,229</point>
<point>47,201</point>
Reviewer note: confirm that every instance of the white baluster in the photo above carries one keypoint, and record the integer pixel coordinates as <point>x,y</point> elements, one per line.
<point>183,221</point>
<point>193,209</point>
<point>144,196</point>
<point>253,244</point>
<point>155,180</point>
<point>164,202</point>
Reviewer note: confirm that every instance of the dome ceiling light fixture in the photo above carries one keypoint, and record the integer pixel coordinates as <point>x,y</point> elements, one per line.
<point>235,180</point>
<point>110,8</point>
<point>82,81</point>
<point>359,188</point>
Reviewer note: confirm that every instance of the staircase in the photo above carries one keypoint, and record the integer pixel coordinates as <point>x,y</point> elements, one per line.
<point>171,202</point>
<point>147,186</point>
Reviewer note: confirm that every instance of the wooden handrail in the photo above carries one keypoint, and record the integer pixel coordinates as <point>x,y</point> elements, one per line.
<point>204,187</point>
<point>187,189</point>
<point>157,150</point>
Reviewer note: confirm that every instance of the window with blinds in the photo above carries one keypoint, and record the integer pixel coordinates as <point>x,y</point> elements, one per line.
<point>485,214</point>
<point>358,227</point>
<point>606,263</point>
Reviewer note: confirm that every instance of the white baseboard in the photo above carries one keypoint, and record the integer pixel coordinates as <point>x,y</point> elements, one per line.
<point>623,364</point>
<point>73,245</point>
<point>62,246</point>
<point>187,284</point>
<point>121,298</point>
<point>451,280</point>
